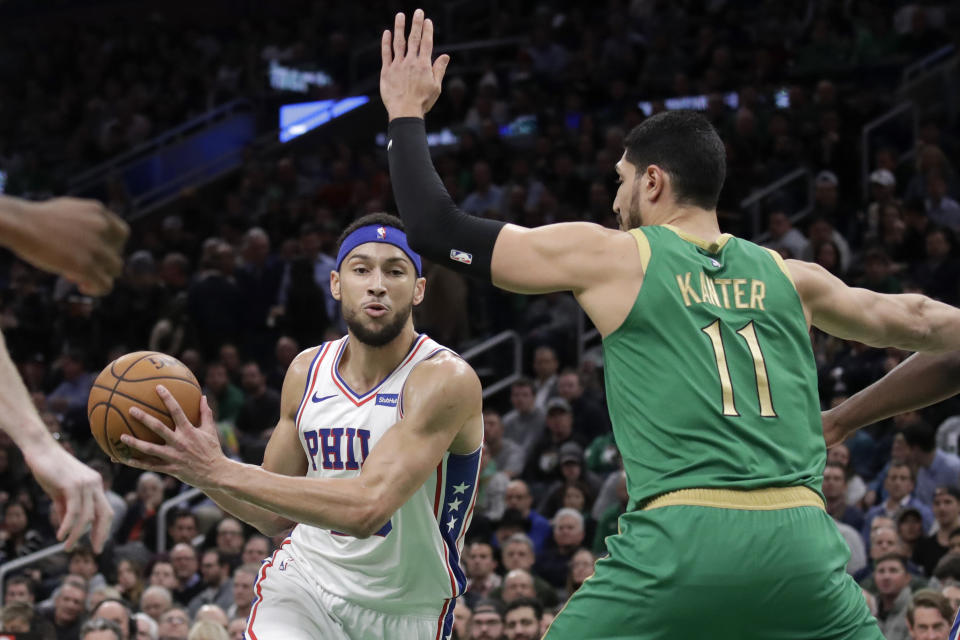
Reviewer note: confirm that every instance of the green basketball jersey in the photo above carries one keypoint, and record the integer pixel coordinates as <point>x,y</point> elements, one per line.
<point>711,380</point>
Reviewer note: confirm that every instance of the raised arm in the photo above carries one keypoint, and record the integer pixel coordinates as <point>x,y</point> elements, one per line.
<point>919,381</point>
<point>559,257</point>
<point>442,399</point>
<point>907,321</point>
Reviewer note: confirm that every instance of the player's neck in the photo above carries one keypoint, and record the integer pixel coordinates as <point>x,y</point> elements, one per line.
<point>694,221</point>
<point>364,366</point>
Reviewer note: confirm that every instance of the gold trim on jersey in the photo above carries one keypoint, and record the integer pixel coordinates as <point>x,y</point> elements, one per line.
<point>750,500</point>
<point>783,265</point>
<point>712,247</point>
<point>643,246</point>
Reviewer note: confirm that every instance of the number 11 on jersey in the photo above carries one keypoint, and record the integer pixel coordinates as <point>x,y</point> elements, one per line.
<point>749,334</point>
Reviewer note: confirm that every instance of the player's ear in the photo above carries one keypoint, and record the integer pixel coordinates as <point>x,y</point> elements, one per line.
<point>419,288</point>
<point>654,183</point>
<point>335,284</point>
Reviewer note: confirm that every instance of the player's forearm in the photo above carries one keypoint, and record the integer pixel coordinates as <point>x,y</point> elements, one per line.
<point>265,521</point>
<point>917,382</point>
<point>18,416</point>
<point>342,504</point>
<point>13,221</point>
<point>435,226</point>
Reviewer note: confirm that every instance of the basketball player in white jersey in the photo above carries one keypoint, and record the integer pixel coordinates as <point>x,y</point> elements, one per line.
<point>375,461</point>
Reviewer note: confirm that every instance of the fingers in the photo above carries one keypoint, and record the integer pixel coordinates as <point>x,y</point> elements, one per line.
<point>151,423</point>
<point>83,515</point>
<point>73,499</point>
<point>440,68</point>
<point>386,53</point>
<point>207,422</point>
<point>426,41</point>
<point>102,516</point>
<point>142,446</point>
<point>399,43</point>
<point>180,420</point>
<point>416,31</point>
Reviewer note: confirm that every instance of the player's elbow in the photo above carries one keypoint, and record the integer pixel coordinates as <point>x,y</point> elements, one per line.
<point>275,526</point>
<point>368,521</point>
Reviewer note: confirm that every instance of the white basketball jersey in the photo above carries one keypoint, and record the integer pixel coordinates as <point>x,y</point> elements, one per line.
<point>412,565</point>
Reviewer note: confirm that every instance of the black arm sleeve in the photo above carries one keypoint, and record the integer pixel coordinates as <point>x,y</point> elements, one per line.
<point>436,228</point>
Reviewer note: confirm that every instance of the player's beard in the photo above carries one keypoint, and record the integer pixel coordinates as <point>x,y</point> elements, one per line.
<point>376,336</point>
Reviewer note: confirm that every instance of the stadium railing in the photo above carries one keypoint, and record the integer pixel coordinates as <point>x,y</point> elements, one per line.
<point>165,508</point>
<point>800,179</point>
<point>25,561</point>
<point>472,354</point>
<point>889,120</point>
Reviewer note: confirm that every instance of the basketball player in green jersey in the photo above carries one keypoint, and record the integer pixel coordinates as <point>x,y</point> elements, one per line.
<point>711,382</point>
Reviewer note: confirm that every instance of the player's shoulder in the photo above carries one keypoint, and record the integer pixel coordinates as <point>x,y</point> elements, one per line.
<point>445,370</point>
<point>299,368</point>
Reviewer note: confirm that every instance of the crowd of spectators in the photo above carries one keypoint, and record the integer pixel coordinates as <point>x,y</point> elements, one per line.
<point>233,281</point>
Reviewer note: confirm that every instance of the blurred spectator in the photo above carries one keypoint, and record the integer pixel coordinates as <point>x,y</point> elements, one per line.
<point>487,621</point>
<point>524,424</point>
<point>522,619</point>
<point>20,589</point>
<point>19,538</point>
<point>73,391</point>
<point>184,561</point>
<point>518,498</point>
<point>230,537</point>
<point>258,279</point>
<point>259,413</point>
<point>116,612</point>
<point>244,577</point>
<point>941,208</point>
<point>835,492</point>
<point>946,511</point>
<point>589,418</point>
<point>608,524</point>
<point>212,613</point>
<point>935,469</point>
<point>568,536</point>
<point>899,486</point>
<point>481,566</point>
<point>146,627</point>
<point>545,366</point>
<point>491,495</point>
<point>784,236</point>
<point>217,585</point>
<point>929,615</point>
<point>236,628</point>
<point>183,527</point>
<point>256,549</point>
<point>17,617</point>
<point>139,525</point>
<point>508,455</point>
<point>486,198</point>
<point>97,629</point>
<point>174,624</point>
<point>581,568</point>
<point>284,352</point>
<point>894,595</point>
<point>207,630</point>
<point>155,601</point>
<point>68,608</point>
<point>462,617</point>
<point>938,274</point>
<point>225,399</point>
<point>518,555</point>
<point>129,580</point>
<point>215,302</point>
<point>543,461</point>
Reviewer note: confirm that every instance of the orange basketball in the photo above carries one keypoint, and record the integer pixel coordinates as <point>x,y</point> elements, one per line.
<point>132,380</point>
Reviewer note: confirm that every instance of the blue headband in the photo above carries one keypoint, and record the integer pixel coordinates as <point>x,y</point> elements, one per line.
<point>378,233</point>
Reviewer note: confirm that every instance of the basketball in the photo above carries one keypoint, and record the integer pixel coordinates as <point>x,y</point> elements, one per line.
<point>132,380</point>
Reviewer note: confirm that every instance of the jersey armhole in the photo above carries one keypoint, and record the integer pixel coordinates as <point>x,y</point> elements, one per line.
<point>643,247</point>
<point>783,266</point>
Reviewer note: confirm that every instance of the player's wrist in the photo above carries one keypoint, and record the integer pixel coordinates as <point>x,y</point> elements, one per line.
<point>14,221</point>
<point>405,110</point>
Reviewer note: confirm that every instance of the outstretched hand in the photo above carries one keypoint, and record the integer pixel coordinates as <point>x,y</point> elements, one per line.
<point>409,81</point>
<point>77,494</point>
<point>190,454</point>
